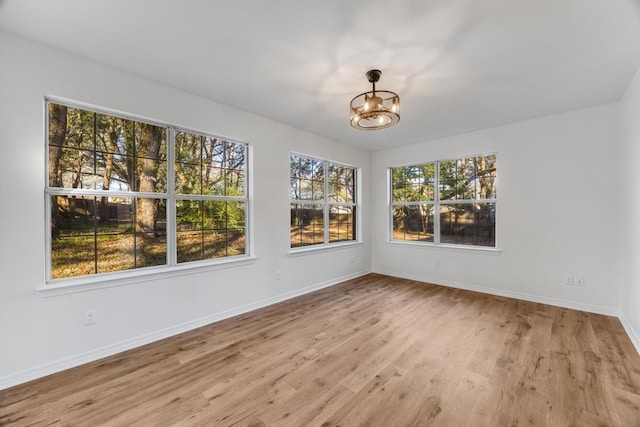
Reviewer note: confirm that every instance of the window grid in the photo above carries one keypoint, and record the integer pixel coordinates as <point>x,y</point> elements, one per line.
<point>323,217</point>
<point>129,212</point>
<point>461,210</point>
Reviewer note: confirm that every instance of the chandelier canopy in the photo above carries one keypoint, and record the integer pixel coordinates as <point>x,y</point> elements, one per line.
<point>376,109</point>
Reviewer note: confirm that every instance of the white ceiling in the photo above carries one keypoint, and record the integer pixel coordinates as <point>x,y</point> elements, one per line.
<point>458,65</point>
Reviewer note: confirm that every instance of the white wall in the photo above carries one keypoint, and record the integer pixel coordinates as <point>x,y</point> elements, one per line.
<point>630,209</point>
<point>556,212</point>
<point>559,201</point>
<point>40,334</point>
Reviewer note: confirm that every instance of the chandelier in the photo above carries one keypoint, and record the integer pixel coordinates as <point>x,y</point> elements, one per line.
<point>376,109</point>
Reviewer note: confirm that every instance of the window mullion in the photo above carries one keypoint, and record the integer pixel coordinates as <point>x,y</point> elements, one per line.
<point>436,205</point>
<point>171,197</point>
<point>326,202</point>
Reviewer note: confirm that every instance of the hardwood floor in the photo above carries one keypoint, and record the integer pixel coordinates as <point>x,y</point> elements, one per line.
<point>376,351</point>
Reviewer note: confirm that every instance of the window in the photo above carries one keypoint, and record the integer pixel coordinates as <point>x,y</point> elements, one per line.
<point>323,202</point>
<point>210,199</point>
<point>110,203</point>
<point>449,202</point>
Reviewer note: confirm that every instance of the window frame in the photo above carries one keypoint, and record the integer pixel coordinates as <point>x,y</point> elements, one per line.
<point>171,267</point>
<point>437,204</point>
<point>326,207</point>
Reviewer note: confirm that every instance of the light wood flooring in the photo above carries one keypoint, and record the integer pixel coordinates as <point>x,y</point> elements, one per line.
<point>374,351</point>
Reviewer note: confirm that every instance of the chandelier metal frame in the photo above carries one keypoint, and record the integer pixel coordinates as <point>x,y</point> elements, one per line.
<point>375,109</point>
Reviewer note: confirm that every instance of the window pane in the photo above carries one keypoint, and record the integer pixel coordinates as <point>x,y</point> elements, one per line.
<point>224,172</point>
<point>448,180</point>
<point>189,219</point>
<point>72,236</point>
<point>350,194</point>
<point>113,171</point>
<point>337,183</point>
<point>413,178</point>
<point>235,169</point>
<point>210,229</point>
<point>70,127</point>
<point>295,189</point>
<point>115,235</point>
<point>188,166</point>
<point>76,169</point>
<point>342,186</point>
<point>188,178</point>
<point>224,226</point>
<point>317,189</point>
<point>151,249</point>
<point>151,165</point>
<point>235,182</point>
<point>236,241</point>
<point>306,189</point>
<point>295,166</point>
<point>342,223</point>
<point>414,222</point>
<point>468,179</point>
<point>487,176</point>
<point>427,182</point>
<point>189,245</point>
<point>72,256</point>
<point>235,215</point>
<point>398,185</point>
<point>213,180</point>
<point>468,224</point>
<point>307,224</point>
<point>151,230</point>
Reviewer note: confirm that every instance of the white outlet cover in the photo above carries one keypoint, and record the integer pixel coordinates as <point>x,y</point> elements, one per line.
<point>89,317</point>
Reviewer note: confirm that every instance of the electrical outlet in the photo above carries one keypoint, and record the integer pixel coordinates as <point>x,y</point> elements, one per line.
<point>568,280</point>
<point>580,281</point>
<point>353,259</point>
<point>89,317</point>
<point>278,275</point>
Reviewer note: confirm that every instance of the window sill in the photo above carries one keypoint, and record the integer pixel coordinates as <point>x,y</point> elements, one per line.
<point>456,248</point>
<point>109,280</point>
<point>308,250</point>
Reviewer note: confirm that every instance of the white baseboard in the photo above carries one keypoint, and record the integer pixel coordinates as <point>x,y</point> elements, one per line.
<point>634,336</point>
<point>109,350</point>
<point>608,311</point>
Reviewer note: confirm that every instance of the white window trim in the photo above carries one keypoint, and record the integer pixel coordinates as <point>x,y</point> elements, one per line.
<point>318,247</point>
<point>489,250</point>
<point>436,202</point>
<point>67,285</point>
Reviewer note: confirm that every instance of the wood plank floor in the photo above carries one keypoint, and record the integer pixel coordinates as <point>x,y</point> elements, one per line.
<point>375,351</point>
